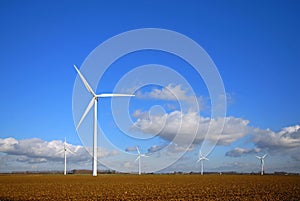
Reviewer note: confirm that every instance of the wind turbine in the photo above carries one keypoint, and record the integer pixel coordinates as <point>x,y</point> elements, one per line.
<point>139,158</point>
<point>94,102</point>
<point>262,162</point>
<point>65,155</point>
<point>201,159</point>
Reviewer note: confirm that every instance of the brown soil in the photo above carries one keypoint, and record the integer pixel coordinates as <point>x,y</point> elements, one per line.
<point>149,187</point>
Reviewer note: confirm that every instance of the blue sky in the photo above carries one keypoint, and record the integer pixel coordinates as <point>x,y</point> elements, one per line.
<point>254,44</point>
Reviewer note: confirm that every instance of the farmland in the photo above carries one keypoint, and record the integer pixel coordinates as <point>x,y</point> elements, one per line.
<point>149,187</point>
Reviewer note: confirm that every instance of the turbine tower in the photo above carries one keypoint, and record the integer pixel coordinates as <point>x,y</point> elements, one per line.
<point>139,158</point>
<point>65,155</point>
<point>201,160</point>
<point>262,162</point>
<point>94,102</point>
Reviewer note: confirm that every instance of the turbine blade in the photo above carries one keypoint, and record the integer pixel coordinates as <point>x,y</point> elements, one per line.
<point>138,158</point>
<point>86,84</point>
<point>258,157</point>
<point>68,150</point>
<point>90,105</point>
<point>62,151</point>
<point>137,148</point>
<point>264,155</point>
<point>114,95</point>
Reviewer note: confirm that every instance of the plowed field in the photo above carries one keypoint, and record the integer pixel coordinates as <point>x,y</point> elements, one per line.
<point>149,187</point>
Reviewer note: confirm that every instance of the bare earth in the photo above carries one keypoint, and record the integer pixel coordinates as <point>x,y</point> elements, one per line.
<point>149,187</point>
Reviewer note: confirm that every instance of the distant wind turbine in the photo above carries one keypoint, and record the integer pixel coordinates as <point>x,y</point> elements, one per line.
<point>262,162</point>
<point>65,155</point>
<point>94,102</point>
<point>201,159</point>
<point>139,158</point>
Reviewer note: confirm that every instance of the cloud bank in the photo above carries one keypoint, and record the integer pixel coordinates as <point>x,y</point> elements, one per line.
<point>238,152</point>
<point>38,151</point>
<point>189,125</point>
<point>286,141</point>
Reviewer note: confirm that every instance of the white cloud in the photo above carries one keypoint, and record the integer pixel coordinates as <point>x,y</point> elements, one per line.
<point>129,149</point>
<point>140,113</point>
<point>38,151</point>
<point>155,148</point>
<point>184,126</point>
<point>286,138</point>
<point>176,148</point>
<point>25,159</point>
<point>173,92</point>
<point>7,144</point>
<point>238,152</point>
<point>128,165</point>
<point>286,142</point>
<point>170,92</point>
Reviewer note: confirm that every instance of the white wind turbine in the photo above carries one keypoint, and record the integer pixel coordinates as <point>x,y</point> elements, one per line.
<point>65,155</point>
<point>139,158</point>
<point>201,159</point>
<point>262,162</point>
<point>92,103</point>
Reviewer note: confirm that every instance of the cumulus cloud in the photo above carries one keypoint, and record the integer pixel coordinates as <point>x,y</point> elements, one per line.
<point>177,148</point>
<point>286,141</point>
<point>25,159</point>
<point>155,148</point>
<point>174,92</point>
<point>170,92</point>
<point>140,114</point>
<point>286,138</point>
<point>38,151</point>
<point>128,164</point>
<point>129,149</point>
<point>238,152</point>
<point>33,148</point>
<point>186,126</point>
